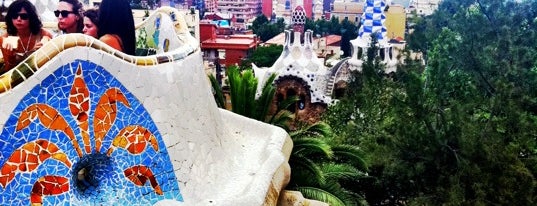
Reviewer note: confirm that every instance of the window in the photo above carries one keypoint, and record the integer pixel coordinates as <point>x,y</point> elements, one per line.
<point>302,102</point>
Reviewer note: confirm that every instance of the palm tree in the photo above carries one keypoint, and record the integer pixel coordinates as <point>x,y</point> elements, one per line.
<point>318,163</point>
<point>242,92</point>
<point>319,166</point>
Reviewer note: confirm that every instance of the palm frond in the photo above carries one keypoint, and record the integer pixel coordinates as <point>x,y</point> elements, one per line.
<point>350,154</point>
<point>321,195</point>
<point>265,99</point>
<point>236,90</point>
<point>305,164</point>
<point>336,172</point>
<point>282,106</point>
<point>249,87</point>
<point>312,146</point>
<point>218,94</point>
<point>319,129</point>
<point>282,119</point>
<point>335,188</point>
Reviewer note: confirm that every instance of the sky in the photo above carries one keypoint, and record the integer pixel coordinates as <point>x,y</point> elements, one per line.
<point>402,2</point>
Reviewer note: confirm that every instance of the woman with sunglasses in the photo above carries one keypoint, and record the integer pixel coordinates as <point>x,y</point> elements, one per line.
<point>118,29</point>
<point>70,19</point>
<point>25,33</point>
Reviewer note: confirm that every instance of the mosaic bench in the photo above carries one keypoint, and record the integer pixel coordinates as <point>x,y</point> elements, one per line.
<point>83,124</point>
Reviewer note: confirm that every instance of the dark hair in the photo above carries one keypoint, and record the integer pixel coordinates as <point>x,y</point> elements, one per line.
<point>119,21</point>
<point>13,10</point>
<point>93,15</point>
<point>78,9</point>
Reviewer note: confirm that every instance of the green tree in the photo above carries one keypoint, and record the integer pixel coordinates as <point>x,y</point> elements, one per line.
<point>263,28</point>
<point>265,56</point>
<point>243,86</point>
<point>321,166</point>
<point>258,22</point>
<point>461,130</point>
<point>348,32</point>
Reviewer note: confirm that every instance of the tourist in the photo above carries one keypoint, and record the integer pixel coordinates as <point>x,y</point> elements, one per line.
<point>118,29</point>
<point>91,22</point>
<point>69,15</point>
<point>24,35</point>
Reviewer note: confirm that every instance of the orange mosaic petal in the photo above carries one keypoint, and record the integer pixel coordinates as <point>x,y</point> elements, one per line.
<point>48,185</point>
<point>134,139</point>
<point>49,118</point>
<point>26,117</point>
<point>105,114</point>
<point>28,157</point>
<point>139,175</point>
<point>79,106</point>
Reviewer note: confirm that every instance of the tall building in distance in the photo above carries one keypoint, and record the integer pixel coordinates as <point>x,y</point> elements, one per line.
<point>350,10</point>
<point>267,8</point>
<point>284,8</point>
<point>244,11</point>
<point>424,7</point>
<point>211,5</point>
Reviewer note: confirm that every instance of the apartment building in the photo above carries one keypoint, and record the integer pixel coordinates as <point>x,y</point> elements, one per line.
<point>424,7</point>
<point>244,11</point>
<point>351,10</point>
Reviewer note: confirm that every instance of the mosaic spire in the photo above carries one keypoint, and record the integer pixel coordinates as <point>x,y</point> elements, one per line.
<point>373,19</point>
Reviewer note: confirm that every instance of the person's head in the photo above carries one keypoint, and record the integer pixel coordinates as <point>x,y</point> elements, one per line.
<point>91,22</point>
<point>21,14</point>
<point>69,16</point>
<point>119,21</point>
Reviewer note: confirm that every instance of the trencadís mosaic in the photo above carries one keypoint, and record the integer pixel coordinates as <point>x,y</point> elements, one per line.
<point>81,138</point>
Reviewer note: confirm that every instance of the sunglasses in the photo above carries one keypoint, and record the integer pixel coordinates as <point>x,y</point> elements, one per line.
<point>23,16</point>
<point>64,13</point>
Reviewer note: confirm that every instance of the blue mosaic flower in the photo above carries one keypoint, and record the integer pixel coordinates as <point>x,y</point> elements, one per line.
<point>80,137</point>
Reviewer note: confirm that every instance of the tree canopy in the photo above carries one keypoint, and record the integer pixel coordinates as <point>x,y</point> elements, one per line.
<point>460,130</point>
<point>263,28</point>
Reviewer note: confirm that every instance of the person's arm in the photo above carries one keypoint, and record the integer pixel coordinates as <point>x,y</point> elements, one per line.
<point>112,40</point>
<point>8,55</point>
<point>45,37</point>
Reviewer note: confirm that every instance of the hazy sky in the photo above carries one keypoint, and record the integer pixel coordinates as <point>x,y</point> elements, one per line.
<point>402,2</point>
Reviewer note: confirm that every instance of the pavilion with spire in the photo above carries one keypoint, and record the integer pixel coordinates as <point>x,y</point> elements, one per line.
<point>372,23</point>
<point>299,72</point>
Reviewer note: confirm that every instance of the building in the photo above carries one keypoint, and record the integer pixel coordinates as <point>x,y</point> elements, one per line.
<point>267,8</point>
<point>299,73</point>
<point>317,10</point>
<point>245,11</point>
<point>424,7</point>
<point>372,24</point>
<point>395,22</point>
<point>284,8</point>
<point>325,47</point>
<point>225,49</point>
<point>211,5</point>
<point>221,17</point>
<point>347,9</point>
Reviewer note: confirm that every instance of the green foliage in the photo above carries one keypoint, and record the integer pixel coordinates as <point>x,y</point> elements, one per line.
<point>460,130</point>
<point>346,29</point>
<point>243,88</point>
<point>263,28</point>
<point>324,166</point>
<point>218,93</point>
<point>265,56</point>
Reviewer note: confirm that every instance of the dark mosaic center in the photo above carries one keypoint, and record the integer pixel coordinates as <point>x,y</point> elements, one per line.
<point>92,173</point>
